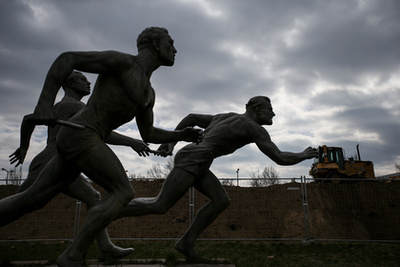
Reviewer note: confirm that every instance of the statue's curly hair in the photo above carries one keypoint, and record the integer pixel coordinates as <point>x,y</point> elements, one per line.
<point>145,39</point>
<point>256,101</point>
<point>70,79</point>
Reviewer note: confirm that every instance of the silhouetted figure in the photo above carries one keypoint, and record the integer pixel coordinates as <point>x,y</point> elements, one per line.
<point>75,87</point>
<point>223,134</point>
<point>122,92</point>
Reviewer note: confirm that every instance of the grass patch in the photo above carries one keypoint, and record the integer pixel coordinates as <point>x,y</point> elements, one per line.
<point>240,253</point>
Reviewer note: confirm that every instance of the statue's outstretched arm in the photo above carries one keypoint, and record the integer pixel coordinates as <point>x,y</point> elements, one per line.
<point>27,127</point>
<point>265,144</point>
<point>122,140</point>
<point>92,62</point>
<point>191,120</point>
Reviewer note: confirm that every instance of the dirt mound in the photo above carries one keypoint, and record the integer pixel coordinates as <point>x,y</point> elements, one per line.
<point>363,210</point>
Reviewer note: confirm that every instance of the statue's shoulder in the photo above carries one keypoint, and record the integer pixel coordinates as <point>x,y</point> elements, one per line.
<point>68,105</point>
<point>234,120</point>
<point>135,67</point>
<point>228,115</point>
<point>134,60</point>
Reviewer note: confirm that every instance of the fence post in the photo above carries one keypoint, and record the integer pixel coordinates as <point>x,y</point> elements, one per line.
<point>191,205</point>
<point>305,208</point>
<point>77,217</point>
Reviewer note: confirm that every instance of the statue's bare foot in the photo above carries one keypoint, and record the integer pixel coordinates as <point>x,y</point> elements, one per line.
<point>65,261</point>
<point>114,252</point>
<point>189,252</point>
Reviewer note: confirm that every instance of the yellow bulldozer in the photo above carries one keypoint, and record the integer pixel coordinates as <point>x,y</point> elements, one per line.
<point>331,164</point>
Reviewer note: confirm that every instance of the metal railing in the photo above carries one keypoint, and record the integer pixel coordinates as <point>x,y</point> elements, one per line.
<point>290,209</point>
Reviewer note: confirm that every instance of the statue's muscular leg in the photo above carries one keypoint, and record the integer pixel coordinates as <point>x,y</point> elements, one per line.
<point>101,165</point>
<point>36,166</point>
<point>81,189</point>
<point>210,186</point>
<point>174,188</point>
<point>56,175</point>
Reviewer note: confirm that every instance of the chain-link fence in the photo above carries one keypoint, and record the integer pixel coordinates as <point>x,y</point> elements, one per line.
<point>11,176</point>
<point>290,209</point>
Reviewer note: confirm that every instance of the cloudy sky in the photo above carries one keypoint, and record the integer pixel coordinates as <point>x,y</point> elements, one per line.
<point>331,69</point>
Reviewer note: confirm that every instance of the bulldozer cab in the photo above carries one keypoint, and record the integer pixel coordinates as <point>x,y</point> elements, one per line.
<point>331,155</point>
<point>331,163</point>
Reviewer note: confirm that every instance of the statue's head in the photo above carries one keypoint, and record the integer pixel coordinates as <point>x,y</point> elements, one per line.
<point>257,101</point>
<point>260,109</point>
<point>77,82</point>
<point>148,35</point>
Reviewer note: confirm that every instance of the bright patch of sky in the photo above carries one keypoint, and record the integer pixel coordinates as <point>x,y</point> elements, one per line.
<point>330,69</point>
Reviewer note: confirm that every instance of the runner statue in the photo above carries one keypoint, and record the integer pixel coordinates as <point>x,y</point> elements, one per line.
<point>122,92</point>
<point>223,134</point>
<point>75,87</point>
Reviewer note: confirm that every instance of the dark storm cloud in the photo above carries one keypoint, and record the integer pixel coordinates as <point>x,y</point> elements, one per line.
<point>345,41</point>
<point>330,68</point>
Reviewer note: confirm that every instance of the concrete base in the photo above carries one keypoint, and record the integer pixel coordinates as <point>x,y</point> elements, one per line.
<point>132,263</point>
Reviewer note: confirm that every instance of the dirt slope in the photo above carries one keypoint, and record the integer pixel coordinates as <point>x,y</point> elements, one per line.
<point>366,211</point>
